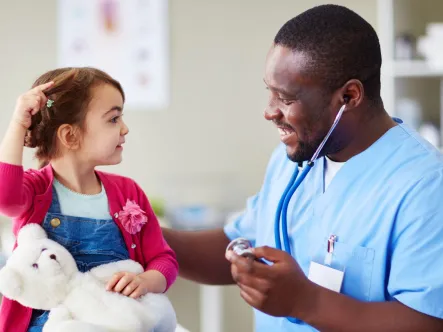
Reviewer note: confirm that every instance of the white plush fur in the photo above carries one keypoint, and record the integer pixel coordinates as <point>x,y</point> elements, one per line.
<point>78,301</point>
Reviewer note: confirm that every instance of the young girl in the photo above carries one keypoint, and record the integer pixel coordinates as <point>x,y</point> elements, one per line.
<point>73,117</point>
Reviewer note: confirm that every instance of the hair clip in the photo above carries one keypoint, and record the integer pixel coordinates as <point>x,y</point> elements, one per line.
<point>49,103</point>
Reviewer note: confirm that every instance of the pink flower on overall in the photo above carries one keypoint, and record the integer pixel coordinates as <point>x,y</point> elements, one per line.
<point>132,217</point>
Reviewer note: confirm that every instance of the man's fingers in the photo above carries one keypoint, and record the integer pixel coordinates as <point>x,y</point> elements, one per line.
<point>249,280</point>
<point>250,266</point>
<point>247,298</point>
<point>268,253</point>
<point>254,293</point>
<point>243,263</point>
<point>252,296</point>
<point>259,284</point>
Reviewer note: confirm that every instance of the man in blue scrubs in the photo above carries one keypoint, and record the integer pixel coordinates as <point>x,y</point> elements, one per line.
<point>365,226</point>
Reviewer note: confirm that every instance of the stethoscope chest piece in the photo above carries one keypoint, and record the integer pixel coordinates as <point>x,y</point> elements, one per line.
<point>241,247</point>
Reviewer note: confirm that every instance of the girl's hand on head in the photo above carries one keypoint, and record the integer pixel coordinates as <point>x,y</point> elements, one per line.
<point>29,104</point>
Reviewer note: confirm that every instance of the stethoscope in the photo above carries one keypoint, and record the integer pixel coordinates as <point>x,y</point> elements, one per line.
<point>294,183</point>
<point>242,246</point>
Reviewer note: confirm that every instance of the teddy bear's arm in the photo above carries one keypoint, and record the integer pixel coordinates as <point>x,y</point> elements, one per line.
<point>105,272</point>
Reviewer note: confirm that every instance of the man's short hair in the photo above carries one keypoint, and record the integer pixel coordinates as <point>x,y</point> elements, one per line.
<point>340,44</point>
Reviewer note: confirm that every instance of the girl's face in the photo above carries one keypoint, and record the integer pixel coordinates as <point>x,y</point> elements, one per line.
<point>104,135</point>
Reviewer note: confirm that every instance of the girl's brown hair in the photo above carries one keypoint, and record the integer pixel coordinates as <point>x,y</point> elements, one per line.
<point>71,93</point>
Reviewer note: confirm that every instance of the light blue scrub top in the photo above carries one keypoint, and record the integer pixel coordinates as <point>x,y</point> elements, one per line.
<point>385,205</point>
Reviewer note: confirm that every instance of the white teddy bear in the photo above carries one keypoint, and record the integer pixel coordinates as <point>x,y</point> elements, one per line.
<point>42,274</point>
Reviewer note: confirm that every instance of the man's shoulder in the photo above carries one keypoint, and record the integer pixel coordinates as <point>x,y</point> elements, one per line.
<point>411,167</point>
<point>416,157</point>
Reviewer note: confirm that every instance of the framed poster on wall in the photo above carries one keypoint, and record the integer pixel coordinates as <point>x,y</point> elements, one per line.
<point>129,39</point>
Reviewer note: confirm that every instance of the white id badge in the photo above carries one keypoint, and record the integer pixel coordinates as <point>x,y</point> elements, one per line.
<point>326,276</point>
<point>323,274</point>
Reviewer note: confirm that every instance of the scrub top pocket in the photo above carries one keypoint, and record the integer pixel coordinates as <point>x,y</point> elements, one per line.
<point>356,262</point>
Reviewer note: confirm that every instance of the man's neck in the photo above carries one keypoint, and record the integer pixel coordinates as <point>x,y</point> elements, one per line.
<point>366,133</point>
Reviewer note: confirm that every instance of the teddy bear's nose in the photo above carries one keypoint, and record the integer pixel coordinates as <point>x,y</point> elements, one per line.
<point>52,257</point>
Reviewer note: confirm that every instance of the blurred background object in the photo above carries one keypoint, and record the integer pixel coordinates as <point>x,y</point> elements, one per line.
<point>404,47</point>
<point>430,45</point>
<point>411,38</point>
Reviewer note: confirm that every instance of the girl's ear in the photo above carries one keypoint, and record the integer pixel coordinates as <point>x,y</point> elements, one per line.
<point>69,136</point>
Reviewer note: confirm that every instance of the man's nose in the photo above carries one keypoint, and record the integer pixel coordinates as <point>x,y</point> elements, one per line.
<point>272,112</point>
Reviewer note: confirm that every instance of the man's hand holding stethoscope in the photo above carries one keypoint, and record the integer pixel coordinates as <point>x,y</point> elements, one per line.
<point>279,289</point>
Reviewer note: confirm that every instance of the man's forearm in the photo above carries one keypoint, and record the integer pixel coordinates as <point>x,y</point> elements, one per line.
<point>331,312</point>
<point>201,255</point>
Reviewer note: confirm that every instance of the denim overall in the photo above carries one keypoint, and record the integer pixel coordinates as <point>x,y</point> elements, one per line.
<point>91,242</point>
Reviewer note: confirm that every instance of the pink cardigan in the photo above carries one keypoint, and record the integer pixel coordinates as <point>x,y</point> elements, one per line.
<point>26,197</point>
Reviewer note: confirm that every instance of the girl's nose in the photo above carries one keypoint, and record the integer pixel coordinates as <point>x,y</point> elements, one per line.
<point>124,129</point>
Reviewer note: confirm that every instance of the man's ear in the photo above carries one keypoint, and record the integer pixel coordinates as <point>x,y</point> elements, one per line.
<point>29,233</point>
<point>11,284</point>
<point>352,94</point>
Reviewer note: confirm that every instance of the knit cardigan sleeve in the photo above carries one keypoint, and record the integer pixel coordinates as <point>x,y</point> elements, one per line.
<point>157,253</point>
<point>16,190</point>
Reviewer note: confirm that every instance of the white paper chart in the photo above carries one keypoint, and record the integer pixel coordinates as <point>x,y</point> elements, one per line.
<point>126,38</point>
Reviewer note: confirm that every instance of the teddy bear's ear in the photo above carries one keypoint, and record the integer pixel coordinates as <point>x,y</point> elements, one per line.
<point>30,232</point>
<point>10,283</point>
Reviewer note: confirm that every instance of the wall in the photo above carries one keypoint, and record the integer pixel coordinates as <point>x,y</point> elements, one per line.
<point>212,134</point>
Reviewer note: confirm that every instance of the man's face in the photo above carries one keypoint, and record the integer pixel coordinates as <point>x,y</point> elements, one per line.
<point>298,104</point>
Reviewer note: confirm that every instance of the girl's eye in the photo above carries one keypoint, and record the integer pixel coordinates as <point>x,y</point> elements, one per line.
<point>115,119</point>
